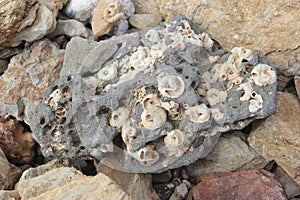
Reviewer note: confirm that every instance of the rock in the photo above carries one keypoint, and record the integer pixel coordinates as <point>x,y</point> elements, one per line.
<point>128,8</point>
<point>272,31</point>
<point>181,190</point>
<point>28,75</point>
<point>106,14</point>
<point>9,52</point>
<point>9,194</point>
<point>278,137</point>
<point>80,10</point>
<point>136,186</point>
<point>132,101</point>
<point>119,28</point>
<point>242,185</point>
<point>297,84</point>
<point>3,66</point>
<point>68,183</point>
<point>9,173</point>
<point>290,187</point>
<point>15,141</point>
<point>145,20</point>
<point>71,28</point>
<point>231,153</point>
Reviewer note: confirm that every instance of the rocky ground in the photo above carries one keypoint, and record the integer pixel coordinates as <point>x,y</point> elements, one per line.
<point>108,99</point>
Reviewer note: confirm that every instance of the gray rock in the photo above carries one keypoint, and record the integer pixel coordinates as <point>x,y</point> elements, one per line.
<point>3,65</point>
<point>81,10</point>
<point>153,100</point>
<point>119,28</point>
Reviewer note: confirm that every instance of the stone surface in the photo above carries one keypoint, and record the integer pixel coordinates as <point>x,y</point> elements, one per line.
<point>243,185</point>
<point>290,187</point>
<point>119,28</point>
<point>9,195</point>
<point>136,186</point>
<point>69,183</point>
<point>15,141</point>
<point>278,137</point>
<point>9,174</point>
<point>80,10</point>
<point>71,28</point>
<point>297,84</point>
<point>128,8</point>
<point>151,100</point>
<point>145,20</point>
<point>106,14</point>
<point>28,75</point>
<point>231,153</point>
<point>3,65</point>
<point>260,26</point>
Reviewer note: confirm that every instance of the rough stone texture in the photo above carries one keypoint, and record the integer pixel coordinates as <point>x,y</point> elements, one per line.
<point>119,28</point>
<point>139,102</point>
<point>71,28</point>
<point>9,195</point>
<point>297,84</point>
<point>136,186</point>
<point>290,187</point>
<point>278,137</point>
<point>262,26</point>
<point>231,153</point>
<point>145,20</point>
<point>38,18</point>
<point>3,65</point>
<point>243,185</point>
<point>15,141</point>
<point>80,10</point>
<point>67,183</point>
<point>28,75</point>
<point>9,174</point>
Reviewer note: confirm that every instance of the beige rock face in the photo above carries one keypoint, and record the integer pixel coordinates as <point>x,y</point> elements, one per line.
<point>9,194</point>
<point>9,174</point>
<point>269,27</point>
<point>15,141</point>
<point>231,153</point>
<point>31,72</point>
<point>278,137</point>
<point>145,20</point>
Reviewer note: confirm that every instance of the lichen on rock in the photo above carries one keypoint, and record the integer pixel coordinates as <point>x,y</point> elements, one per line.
<point>151,100</point>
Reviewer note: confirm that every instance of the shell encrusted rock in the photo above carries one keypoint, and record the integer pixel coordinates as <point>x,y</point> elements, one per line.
<point>151,100</point>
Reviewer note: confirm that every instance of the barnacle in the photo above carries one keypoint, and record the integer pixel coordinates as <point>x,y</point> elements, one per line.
<point>256,103</point>
<point>152,35</point>
<point>128,133</point>
<point>108,72</point>
<point>198,114</point>
<point>146,155</point>
<point>216,114</point>
<point>119,117</point>
<point>173,108</point>
<point>153,118</point>
<point>263,75</point>
<point>150,101</point>
<point>214,96</point>
<point>170,85</point>
<point>247,90</point>
<point>54,99</point>
<point>140,59</point>
<point>176,142</point>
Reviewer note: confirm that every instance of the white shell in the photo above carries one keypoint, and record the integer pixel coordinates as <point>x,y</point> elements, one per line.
<point>108,72</point>
<point>214,96</point>
<point>119,117</point>
<point>153,118</point>
<point>146,155</point>
<point>263,75</point>
<point>247,89</point>
<point>170,85</point>
<point>198,114</point>
<point>255,104</point>
<point>176,142</point>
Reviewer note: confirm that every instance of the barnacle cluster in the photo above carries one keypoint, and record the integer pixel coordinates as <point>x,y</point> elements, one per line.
<point>164,98</point>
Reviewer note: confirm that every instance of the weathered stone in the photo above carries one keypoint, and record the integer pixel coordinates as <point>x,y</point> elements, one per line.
<point>71,28</point>
<point>28,75</point>
<point>119,28</point>
<point>278,137</point>
<point>106,14</point>
<point>297,84</point>
<point>290,187</point>
<point>151,100</point>
<point>3,65</point>
<point>9,174</point>
<point>260,26</point>
<point>80,10</point>
<point>231,153</point>
<point>128,8</point>
<point>15,141</point>
<point>136,186</point>
<point>9,52</point>
<point>145,20</point>
<point>243,185</point>
<point>9,195</point>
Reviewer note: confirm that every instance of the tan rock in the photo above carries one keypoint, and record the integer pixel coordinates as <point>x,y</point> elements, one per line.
<point>231,153</point>
<point>145,6</point>
<point>15,141</point>
<point>145,20</point>
<point>297,84</point>
<point>278,137</point>
<point>9,195</point>
<point>136,186</point>
<point>31,72</point>
<point>262,26</point>
<point>106,14</point>
<point>243,185</point>
<point>9,174</point>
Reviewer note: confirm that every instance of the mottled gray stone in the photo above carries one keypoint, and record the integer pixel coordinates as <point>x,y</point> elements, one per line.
<point>140,102</point>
